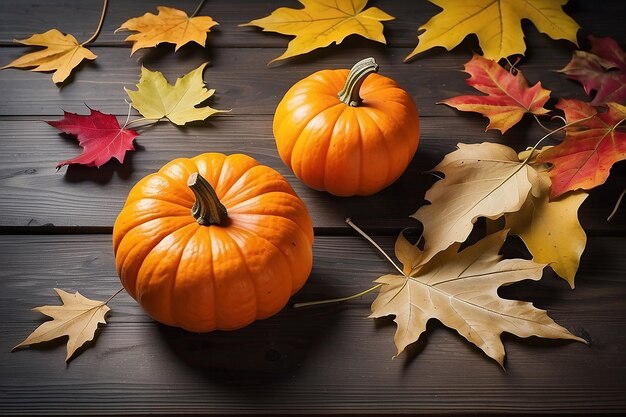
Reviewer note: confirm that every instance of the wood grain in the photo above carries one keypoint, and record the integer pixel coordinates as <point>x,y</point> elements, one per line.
<point>326,359</point>
<point>33,193</point>
<point>244,84</point>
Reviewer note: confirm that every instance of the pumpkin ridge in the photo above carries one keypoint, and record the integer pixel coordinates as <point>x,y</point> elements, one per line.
<point>144,183</point>
<point>322,115</point>
<point>161,259</point>
<point>249,186</point>
<point>276,216</point>
<point>404,128</point>
<point>213,303</point>
<point>362,164</point>
<point>178,182</point>
<point>298,133</point>
<point>247,267</point>
<point>244,232</point>
<point>273,183</point>
<point>155,216</point>
<point>226,233</point>
<point>328,176</point>
<point>381,138</point>
<point>122,258</point>
<point>189,237</point>
<point>233,163</point>
<point>200,159</point>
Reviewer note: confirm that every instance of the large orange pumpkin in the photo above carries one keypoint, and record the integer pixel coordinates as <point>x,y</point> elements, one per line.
<point>347,132</point>
<point>213,242</point>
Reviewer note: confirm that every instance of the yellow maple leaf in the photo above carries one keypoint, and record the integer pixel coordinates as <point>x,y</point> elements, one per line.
<point>496,23</point>
<point>170,25</point>
<point>156,99</point>
<point>550,229</point>
<point>77,318</point>
<point>61,54</point>
<point>322,22</point>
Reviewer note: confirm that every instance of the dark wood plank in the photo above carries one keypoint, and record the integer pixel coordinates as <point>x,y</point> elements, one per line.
<point>244,84</point>
<point>33,193</point>
<point>37,16</point>
<point>326,359</point>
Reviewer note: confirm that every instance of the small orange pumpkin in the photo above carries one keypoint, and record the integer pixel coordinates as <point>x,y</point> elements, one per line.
<point>213,242</point>
<point>347,132</point>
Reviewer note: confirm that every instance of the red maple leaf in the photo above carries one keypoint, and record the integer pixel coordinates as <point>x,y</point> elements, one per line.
<point>602,70</point>
<point>100,136</point>
<point>590,148</point>
<point>508,97</point>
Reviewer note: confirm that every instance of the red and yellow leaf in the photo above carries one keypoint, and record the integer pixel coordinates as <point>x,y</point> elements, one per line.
<point>508,97</point>
<point>602,70</point>
<point>590,148</point>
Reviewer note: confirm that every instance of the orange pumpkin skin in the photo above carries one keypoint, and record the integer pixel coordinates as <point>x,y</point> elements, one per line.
<point>331,146</point>
<point>207,277</point>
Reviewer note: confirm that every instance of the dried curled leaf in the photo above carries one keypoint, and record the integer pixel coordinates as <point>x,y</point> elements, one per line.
<point>481,180</point>
<point>170,26</point>
<point>322,22</point>
<point>508,97</point>
<point>77,318</point>
<point>496,23</point>
<point>156,99</point>
<point>460,289</point>
<point>61,54</point>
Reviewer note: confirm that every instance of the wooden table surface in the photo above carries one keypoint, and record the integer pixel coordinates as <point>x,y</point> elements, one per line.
<point>56,232</point>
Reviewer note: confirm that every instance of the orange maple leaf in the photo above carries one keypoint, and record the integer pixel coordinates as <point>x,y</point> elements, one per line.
<point>508,97</point>
<point>170,26</point>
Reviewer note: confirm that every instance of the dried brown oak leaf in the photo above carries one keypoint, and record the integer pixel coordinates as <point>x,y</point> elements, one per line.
<point>481,180</point>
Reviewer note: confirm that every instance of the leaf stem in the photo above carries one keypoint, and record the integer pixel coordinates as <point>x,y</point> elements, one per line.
<point>113,296</point>
<point>617,204</point>
<point>97,32</point>
<point>338,300</point>
<point>369,239</point>
<point>541,124</point>
<point>198,8</point>
<point>362,293</point>
<point>534,148</point>
<point>142,119</point>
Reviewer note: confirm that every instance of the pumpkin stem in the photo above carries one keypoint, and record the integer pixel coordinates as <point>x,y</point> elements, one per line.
<point>350,93</point>
<point>207,209</point>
